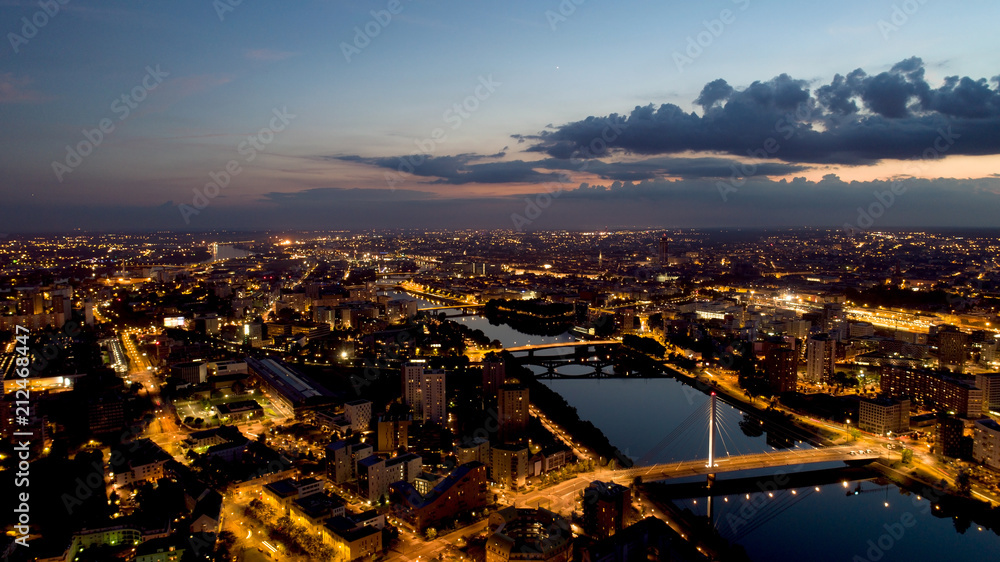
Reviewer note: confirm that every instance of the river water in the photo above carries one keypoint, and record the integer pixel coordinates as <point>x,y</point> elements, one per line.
<point>663,420</point>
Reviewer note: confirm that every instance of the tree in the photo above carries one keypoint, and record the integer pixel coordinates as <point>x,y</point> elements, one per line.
<point>855,434</point>
<point>964,483</point>
<point>431,533</point>
<point>907,456</point>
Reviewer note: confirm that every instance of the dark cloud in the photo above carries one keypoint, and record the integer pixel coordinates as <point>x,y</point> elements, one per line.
<point>459,169</point>
<point>855,119</point>
<point>714,92</point>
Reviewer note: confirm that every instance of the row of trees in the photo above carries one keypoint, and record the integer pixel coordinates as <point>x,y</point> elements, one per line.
<point>284,530</point>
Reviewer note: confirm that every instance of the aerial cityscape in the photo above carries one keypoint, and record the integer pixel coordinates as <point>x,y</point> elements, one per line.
<point>566,281</point>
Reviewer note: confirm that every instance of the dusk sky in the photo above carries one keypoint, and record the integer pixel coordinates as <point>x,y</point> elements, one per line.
<point>455,114</point>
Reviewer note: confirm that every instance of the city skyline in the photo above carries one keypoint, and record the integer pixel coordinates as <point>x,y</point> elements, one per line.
<point>529,116</point>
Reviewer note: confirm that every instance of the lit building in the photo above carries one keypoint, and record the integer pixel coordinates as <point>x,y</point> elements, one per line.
<point>952,348</point>
<point>463,490</point>
<point>359,414</point>
<point>139,461</point>
<point>664,253</point>
<point>476,449</point>
<point>509,465</point>
<point>781,366</point>
<point>350,540</point>
<point>494,376</point>
<point>606,509</point>
<point>282,493</point>
<point>951,439</point>
<point>434,400</point>
<point>393,431</point>
<point>933,389</point>
<point>413,380</point>
<point>424,392</point>
<point>989,383</point>
<point>288,390</point>
<point>821,353</point>
<point>193,372</point>
<point>376,474</point>
<point>253,334</point>
<point>884,415</point>
<point>342,459</point>
<point>986,443</point>
<point>530,534</point>
<point>513,412</point>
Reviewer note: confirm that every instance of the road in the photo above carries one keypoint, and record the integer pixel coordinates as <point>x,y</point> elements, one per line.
<point>560,433</point>
<point>164,430</point>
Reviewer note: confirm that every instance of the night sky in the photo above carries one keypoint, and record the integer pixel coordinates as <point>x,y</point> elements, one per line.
<point>405,113</point>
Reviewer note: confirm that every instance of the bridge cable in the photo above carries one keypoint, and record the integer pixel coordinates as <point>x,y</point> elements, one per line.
<point>672,436</point>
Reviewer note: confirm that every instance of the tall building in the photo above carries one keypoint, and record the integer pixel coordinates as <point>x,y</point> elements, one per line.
<point>424,391</point>
<point>342,460</point>
<point>509,466</point>
<point>821,353</point>
<point>413,377</point>
<point>781,366</point>
<point>394,431</point>
<point>105,413</point>
<point>951,439</point>
<point>512,409</point>
<point>834,318</point>
<point>989,383</point>
<point>606,508</point>
<point>986,443</point>
<point>494,375</point>
<point>434,399</point>
<point>951,348</point>
<point>359,414</point>
<point>664,254</point>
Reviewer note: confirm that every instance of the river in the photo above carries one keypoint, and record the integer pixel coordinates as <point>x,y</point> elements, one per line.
<point>828,523</point>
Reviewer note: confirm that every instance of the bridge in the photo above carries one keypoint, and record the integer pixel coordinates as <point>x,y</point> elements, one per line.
<point>731,463</point>
<point>794,457</point>
<point>597,355</point>
<point>465,308</point>
<point>569,344</point>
